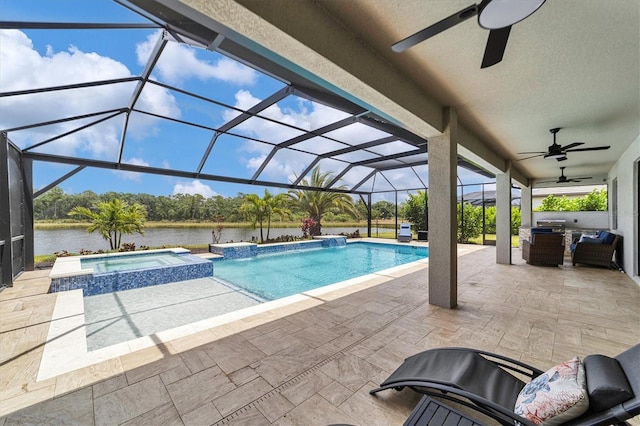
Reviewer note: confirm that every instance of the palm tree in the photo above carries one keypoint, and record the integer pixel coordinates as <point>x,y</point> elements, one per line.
<point>317,203</point>
<point>263,209</point>
<point>113,218</point>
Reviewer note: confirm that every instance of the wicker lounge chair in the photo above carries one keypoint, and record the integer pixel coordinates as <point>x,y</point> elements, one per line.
<point>486,383</point>
<point>544,249</point>
<point>588,253</point>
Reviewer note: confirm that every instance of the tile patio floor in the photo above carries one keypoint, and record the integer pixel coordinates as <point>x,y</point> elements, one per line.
<point>314,361</point>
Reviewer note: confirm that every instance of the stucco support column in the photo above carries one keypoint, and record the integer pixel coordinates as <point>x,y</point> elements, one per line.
<point>6,249</point>
<point>27,187</point>
<point>443,260</point>
<point>503,217</point>
<point>526,206</point>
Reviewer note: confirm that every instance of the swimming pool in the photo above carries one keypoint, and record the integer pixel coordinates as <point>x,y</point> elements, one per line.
<point>273,276</point>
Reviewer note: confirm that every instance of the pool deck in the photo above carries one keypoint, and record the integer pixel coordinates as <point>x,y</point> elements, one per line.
<point>313,359</point>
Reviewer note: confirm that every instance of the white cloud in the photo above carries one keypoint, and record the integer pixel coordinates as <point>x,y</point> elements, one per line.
<point>23,67</point>
<point>194,187</point>
<point>178,62</point>
<point>289,164</point>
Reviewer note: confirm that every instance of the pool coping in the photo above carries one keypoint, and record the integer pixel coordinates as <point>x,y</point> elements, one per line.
<point>65,348</point>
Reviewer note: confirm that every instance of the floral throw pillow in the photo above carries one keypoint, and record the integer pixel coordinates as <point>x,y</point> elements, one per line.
<point>556,396</point>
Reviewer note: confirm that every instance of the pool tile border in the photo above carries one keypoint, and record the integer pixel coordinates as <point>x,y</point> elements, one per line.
<point>67,274</point>
<point>244,249</point>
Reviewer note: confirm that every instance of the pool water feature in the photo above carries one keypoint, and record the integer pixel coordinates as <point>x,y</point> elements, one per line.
<point>273,276</point>
<point>99,274</point>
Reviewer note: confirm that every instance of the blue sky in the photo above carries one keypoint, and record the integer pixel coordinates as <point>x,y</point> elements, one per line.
<point>44,58</point>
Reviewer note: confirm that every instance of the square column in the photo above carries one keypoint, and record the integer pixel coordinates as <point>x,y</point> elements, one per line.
<point>443,260</point>
<point>27,210</point>
<point>6,248</point>
<point>503,217</point>
<point>526,206</point>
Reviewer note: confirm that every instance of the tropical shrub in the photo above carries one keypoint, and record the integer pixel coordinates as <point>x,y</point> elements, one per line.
<point>596,200</point>
<point>317,203</point>
<point>413,210</point>
<point>471,226</point>
<point>112,219</point>
<point>261,210</point>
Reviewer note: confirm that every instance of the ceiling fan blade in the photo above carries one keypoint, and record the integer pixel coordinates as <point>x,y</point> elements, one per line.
<point>571,145</point>
<point>594,148</point>
<point>434,29</point>
<point>548,181</point>
<point>532,156</point>
<point>496,44</point>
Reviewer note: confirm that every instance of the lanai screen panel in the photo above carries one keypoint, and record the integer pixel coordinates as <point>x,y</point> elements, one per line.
<point>404,179</point>
<point>319,145</point>
<point>329,166</point>
<point>211,75</point>
<point>304,113</point>
<point>235,157</point>
<point>77,139</point>
<point>61,104</point>
<point>392,148</point>
<point>285,166</point>
<point>153,141</point>
<point>266,130</point>
<point>185,98</point>
<point>357,133</point>
<point>181,106</point>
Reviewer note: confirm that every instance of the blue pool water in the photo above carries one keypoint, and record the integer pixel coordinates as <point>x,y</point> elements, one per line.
<point>273,276</point>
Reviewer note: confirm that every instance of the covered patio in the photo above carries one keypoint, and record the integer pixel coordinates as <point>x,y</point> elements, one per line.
<point>315,361</point>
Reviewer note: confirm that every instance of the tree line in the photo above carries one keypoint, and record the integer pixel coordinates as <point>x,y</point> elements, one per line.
<point>294,205</point>
<point>56,204</point>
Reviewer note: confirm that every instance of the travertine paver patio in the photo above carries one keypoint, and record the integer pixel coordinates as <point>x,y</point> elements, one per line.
<point>314,361</point>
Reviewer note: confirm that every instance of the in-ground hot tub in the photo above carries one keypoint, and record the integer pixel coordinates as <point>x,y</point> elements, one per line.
<point>106,273</point>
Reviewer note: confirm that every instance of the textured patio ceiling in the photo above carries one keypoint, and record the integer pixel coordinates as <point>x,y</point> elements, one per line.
<point>364,152</point>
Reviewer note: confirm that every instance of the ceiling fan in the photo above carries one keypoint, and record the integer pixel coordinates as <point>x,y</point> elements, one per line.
<point>560,152</point>
<point>563,179</point>
<point>495,15</point>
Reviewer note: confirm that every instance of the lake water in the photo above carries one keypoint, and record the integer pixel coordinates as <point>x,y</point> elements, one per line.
<point>73,240</point>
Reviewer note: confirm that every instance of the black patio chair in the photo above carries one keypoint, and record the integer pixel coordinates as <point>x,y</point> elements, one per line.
<point>487,383</point>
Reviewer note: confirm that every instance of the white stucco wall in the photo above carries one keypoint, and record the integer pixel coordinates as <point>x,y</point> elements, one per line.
<point>576,220</point>
<point>624,171</point>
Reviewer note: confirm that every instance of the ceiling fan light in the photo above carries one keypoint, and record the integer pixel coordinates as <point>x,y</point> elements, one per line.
<point>556,155</point>
<point>496,14</point>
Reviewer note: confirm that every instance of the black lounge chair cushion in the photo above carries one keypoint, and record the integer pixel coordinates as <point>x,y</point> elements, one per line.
<point>463,369</point>
<point>606,382</point>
